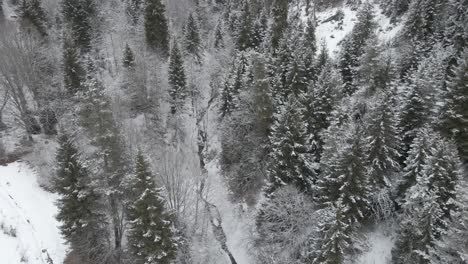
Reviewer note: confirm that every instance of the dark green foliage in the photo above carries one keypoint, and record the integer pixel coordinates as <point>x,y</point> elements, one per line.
<point>289,159</point>
<point>346,181</point>
<point>245,135</point>
<point>429,205</point>
<point>456,30</point>
<point>48,120</point>
<point>234,84</point>
<point>246,39</point>
<point>354,46</point>
<point>151,235</point>
<point>422,25</point>
<point>82,223</point>
<point>192,38</point>
<point>78,15</point>
<point>32,12</point>
<point>73,72</point>
<point>97,118</point>
<point>219,37</point>
<point>156,27</point>
<point>336,240</point>
<point>177,81</point>
<point>280,22</point>
<point>454,114</point>
<point>128,57</point>
<point>383,143</point>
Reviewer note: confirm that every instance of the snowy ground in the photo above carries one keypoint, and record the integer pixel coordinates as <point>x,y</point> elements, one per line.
<point>380,243</point>
<point>28,229</point>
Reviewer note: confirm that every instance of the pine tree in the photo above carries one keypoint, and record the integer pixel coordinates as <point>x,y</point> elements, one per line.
<point>128,57</point>
<point>383,143</point>
<point>177,80</point>
<point>336,241</point>
<point>421,26</point>
<point>345,180</point>
<point>82,223</point>
<point>289,162</point>
<point>73,72</point>
<point>456,30</point>
<point>310,36</point>
<point>97,118</point>
<point>235,82</point>
<point>151,236</point>
<point>192,39</point>
<point>32,11</point>
<point>219,37</point>
<point>354,46</point>
<point>78,15</point>
<point>280,22</point>
<point>415,162</point>
<point>156,28</point>
<point>454,114</point>
<point>246,39</point>
<point>323,57</point>
<point>48,120</point>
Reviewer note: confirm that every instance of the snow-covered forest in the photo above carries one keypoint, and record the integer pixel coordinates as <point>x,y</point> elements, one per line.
<point>234,131</point>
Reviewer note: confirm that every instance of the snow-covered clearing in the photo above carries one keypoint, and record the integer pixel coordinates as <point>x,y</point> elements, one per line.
<point>380,243</point>
<point>28,229</point>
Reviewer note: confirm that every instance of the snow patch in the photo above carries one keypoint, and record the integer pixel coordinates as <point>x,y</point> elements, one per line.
<point>380,243</point>
<point>29,231</point>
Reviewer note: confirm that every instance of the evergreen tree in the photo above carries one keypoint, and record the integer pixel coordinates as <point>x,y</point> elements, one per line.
<point>156,28</point>
<point>422,24</point>
<point>456,30</point>
<point>454,114</point>
<point>48,120</point>
<point>128,57</point>
<point>383,143</point>
<point>177,80</point>
<point>246,39</point>
<point>323,57</point>
<point>82,223</point>
<point>192,39</point>
<point>354,46</point>
<point>73,72</point>
<point>280,22</point>
<point>415,162</point>
<point>233,85</point>
<point>151,235</point>
<point>219,37</point>
<point>97,118</point>
<point>336,241</point>
<point>310,36</point>
<point>78,15</point>
<point>346,181</point>
<point>289,162</point>
<point>32,11</point>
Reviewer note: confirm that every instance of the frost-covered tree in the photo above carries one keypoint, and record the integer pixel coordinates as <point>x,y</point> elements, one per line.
<point>156,27</point>
<point>354,46</point>
<point>245,39</point>
<point>415,162</point>
<point>83,224</point>
<point>219,36</point>
<point>234,84</point>
<point>151,235</point>
<point>128,57</point>
<point>31,11</point>
<point>336,240</point>
<point>346,182</point>
<point>454,113</point>
<point>134,8</point>
<point>289,159</point>
<point>429,206</point>
<point>383,143</point>
<point>192,38</point>
<point>177,80</point>
<point>73,72</point>
<point>280,22</point>
<point>78,15</point>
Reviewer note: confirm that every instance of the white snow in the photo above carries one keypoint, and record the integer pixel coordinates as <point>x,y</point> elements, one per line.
<point>330,31</point>
<point>380,243</point>
<point>30,212</point>
<point>235,221</point>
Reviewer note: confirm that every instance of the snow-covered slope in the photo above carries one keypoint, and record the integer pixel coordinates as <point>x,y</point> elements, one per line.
<point>28,229</point>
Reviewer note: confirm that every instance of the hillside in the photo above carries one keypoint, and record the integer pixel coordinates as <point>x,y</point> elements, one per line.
<point>233,132</point>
